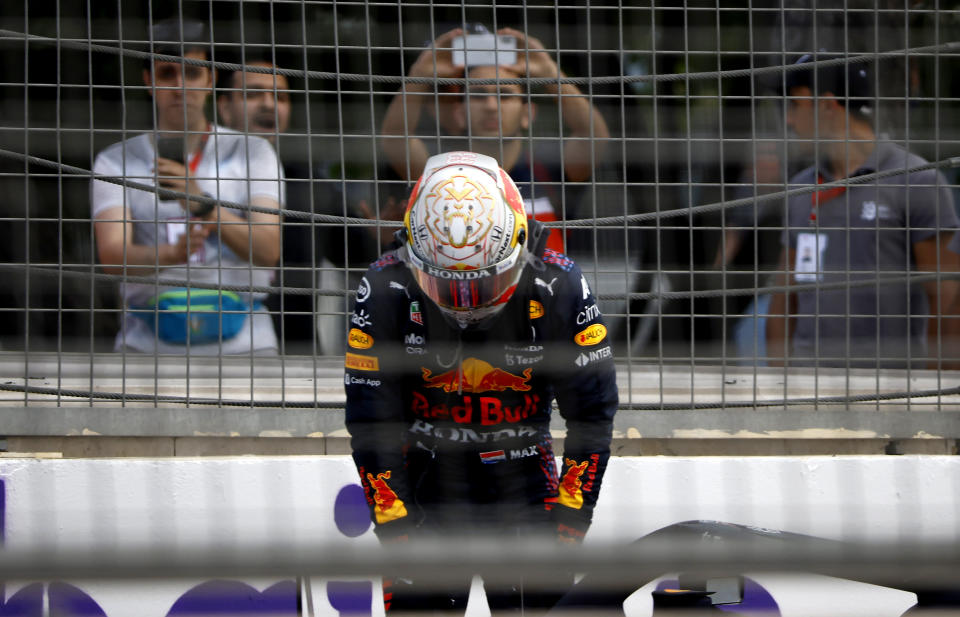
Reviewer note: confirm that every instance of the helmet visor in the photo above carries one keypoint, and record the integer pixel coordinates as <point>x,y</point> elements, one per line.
<point>467,289</point>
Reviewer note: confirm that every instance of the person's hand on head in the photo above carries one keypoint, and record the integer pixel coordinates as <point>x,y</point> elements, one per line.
<point>438,60</point>
<point>532,59</point>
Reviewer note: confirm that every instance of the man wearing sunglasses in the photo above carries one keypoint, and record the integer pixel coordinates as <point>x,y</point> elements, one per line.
<point>459,343</point>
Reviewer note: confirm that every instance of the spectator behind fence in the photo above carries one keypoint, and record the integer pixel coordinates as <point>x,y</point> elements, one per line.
<point>879,229</point>
<point>496,119</point>
<point>139,233</point>
<point>314,254</point>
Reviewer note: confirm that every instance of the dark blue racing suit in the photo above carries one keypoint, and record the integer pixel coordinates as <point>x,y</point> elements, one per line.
<point>450,427</point>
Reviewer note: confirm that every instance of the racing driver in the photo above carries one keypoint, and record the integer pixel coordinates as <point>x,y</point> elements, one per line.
<point>459,342</point>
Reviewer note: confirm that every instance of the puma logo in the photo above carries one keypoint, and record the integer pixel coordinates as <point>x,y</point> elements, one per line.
<point>548,286</point>
<point>403,288</point>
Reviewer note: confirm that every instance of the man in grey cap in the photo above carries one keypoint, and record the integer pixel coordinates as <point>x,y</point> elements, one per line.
<point>223,252</point>
<point>884,228</point>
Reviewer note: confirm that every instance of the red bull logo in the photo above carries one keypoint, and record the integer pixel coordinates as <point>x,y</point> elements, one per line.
<point>389,507</point>
<point>487,410</point>
<point>571,494</point>
<point>475,375</point>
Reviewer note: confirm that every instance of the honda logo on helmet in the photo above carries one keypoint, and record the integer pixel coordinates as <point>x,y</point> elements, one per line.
<point>457,275</point>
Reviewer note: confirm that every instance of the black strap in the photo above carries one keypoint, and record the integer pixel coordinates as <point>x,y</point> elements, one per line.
<point>539,234</point>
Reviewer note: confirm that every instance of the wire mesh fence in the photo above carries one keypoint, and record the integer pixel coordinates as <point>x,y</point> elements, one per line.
<point>761,195</point>
<point>673,150</point>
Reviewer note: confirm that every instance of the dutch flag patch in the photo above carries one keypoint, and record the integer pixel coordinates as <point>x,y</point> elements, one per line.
<point>494,456</point>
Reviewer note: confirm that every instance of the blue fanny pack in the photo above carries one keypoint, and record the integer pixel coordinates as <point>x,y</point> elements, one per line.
<point>197,316</point>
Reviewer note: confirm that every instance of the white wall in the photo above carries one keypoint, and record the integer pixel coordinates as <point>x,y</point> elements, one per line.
<point>179,502</point>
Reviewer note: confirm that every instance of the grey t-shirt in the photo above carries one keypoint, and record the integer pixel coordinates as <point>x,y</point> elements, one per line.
<point>233,167</point>
<point>861,233</point>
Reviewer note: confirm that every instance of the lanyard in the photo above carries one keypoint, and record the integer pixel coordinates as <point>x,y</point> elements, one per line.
<point>820,197</point>
<point>198,155</point>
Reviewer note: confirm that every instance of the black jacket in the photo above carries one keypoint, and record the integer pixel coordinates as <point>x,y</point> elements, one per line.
<point>477,402</point>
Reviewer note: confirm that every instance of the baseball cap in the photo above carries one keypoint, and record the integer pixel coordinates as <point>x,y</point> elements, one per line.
<point>849,82</point>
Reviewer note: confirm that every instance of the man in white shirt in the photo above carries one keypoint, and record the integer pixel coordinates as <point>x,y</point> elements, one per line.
<point>138,233</point>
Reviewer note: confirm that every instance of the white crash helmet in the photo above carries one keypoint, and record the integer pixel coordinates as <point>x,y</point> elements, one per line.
<point>465,233</point>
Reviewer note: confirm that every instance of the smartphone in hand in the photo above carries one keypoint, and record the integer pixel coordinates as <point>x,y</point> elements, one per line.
<point>173,148</point>
<point>484,49</point>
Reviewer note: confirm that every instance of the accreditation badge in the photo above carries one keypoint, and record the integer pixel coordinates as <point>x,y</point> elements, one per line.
<point>811,247</point>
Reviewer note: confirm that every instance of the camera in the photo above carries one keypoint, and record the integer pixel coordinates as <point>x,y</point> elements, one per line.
<point>485,49</point>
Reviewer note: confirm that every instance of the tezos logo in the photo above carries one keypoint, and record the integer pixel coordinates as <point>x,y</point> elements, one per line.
<point>363,290</point>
